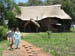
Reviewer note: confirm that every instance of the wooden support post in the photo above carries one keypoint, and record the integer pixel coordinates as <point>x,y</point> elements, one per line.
<point>24,27</point>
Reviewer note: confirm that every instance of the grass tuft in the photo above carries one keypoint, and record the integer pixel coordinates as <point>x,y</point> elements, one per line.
<point>3,46</point>
<point>59,44</point>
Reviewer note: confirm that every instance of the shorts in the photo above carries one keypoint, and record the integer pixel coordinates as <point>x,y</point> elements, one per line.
<point>11,42</point>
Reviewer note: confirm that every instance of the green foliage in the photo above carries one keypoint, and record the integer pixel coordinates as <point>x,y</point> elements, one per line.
<point>69,7</point>
<point>11,17</point>
<point>72,29</point>
<point>17,9</point>
<point>8,10</point>
<point>22,4</point>
<point>34,2</point>
<point>3,31</point>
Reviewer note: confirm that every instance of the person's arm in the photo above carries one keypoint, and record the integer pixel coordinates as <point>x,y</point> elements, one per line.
<point>7,36</point>
<point>20,36</point>
<point>14,36</point>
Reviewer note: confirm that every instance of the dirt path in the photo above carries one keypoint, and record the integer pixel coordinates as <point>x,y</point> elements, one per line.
<point>26,49</point>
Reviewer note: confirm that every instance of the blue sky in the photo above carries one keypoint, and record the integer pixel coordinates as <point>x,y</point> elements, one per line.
<point>17,1</point>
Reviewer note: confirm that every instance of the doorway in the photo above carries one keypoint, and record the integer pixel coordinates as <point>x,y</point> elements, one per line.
<point>31,27</point>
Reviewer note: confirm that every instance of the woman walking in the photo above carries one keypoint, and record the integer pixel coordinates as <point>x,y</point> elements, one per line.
<point>17,37</point>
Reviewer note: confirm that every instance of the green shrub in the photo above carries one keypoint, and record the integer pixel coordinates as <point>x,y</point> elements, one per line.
<point>3,31</point>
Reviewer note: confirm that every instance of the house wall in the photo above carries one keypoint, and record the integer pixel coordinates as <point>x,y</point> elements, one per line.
<point>66,25</point>
<point>47,24</point>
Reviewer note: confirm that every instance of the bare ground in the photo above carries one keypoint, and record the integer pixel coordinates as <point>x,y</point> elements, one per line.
<point>26,49</point>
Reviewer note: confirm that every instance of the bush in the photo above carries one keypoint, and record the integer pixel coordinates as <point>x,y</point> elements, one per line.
<point>3,31</point>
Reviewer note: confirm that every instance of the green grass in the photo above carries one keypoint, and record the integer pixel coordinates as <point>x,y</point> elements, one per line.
<point>3,46</point>
<point>73,29</point>
<point>59,44</point>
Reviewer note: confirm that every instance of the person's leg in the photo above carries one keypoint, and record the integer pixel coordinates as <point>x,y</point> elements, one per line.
<point>16,43</point>
<point>10,44</point>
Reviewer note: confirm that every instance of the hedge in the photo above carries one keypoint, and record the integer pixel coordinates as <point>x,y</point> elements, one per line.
<point>3,31</point>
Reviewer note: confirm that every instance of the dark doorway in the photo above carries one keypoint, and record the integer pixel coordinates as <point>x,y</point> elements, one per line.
<point>31,27</point>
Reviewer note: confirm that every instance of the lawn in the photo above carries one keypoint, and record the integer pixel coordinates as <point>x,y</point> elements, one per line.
<point>3,46</point>
<point>59,44</point>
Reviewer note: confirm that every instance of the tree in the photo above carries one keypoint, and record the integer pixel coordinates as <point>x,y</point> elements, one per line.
<point>34,2</point>
<point>48,2</point>
<point>69,7</point>
<point>8,10</point>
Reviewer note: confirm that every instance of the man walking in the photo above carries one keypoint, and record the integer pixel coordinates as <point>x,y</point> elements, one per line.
<point>11,38</point>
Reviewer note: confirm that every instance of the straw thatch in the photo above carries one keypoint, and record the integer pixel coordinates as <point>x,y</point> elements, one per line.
<point>33,21</point>
<point>41,12</point>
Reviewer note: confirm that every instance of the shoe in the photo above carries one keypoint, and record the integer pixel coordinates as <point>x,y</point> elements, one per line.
<point>17,48</point>
<point>10,49</point>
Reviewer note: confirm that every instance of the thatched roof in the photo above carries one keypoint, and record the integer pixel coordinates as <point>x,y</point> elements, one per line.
<point>34,22</point>
<point>41,12</point>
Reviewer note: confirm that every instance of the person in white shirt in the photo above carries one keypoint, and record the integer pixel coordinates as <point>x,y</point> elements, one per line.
<point>17,37</point>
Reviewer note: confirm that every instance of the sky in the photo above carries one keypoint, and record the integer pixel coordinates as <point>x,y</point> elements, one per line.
<point>17,1</point>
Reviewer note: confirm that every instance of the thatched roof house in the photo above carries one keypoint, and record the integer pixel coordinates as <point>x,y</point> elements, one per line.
<point>43,18</point>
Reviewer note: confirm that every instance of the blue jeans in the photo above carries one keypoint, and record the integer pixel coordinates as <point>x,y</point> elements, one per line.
<point>16,43</point>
